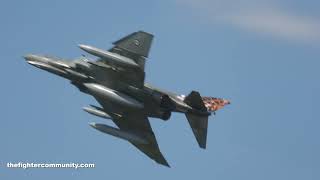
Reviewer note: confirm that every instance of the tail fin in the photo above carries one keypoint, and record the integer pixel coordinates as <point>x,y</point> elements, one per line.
<point>195,101</point>
<point>198,122</point>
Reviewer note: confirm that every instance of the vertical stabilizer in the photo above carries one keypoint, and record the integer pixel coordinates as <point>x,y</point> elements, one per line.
<point>198,122</point>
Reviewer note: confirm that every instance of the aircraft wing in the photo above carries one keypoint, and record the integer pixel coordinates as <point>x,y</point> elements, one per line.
<point>138,123</point>
<point>135,46</point>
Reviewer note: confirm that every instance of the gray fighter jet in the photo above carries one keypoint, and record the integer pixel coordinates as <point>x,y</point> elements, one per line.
<point>116,81</point>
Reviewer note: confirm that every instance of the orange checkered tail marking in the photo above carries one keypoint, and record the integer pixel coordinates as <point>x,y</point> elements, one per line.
<point>214,104</point>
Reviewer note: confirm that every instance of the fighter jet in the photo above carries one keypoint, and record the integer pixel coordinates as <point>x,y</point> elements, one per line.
<point>116,79</point>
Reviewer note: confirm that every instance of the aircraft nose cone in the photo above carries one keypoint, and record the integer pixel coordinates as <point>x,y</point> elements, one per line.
<point>35,60</point>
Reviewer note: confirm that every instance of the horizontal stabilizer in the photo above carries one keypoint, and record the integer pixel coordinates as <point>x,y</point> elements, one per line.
<point>199,126</point>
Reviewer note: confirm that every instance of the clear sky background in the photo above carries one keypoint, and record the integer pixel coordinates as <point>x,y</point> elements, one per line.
<point>262,55</point>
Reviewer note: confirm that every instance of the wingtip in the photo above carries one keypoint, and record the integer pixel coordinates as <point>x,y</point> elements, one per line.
<point>203,146</point>
<point>165,163</point>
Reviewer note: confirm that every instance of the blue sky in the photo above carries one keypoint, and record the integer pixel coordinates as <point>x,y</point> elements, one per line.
<point>262,55</point>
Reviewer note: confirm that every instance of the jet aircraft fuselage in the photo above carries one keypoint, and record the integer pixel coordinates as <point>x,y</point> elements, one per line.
<point>116,81</point>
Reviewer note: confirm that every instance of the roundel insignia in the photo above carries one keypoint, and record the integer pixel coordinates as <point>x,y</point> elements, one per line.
<point>136,42</point>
